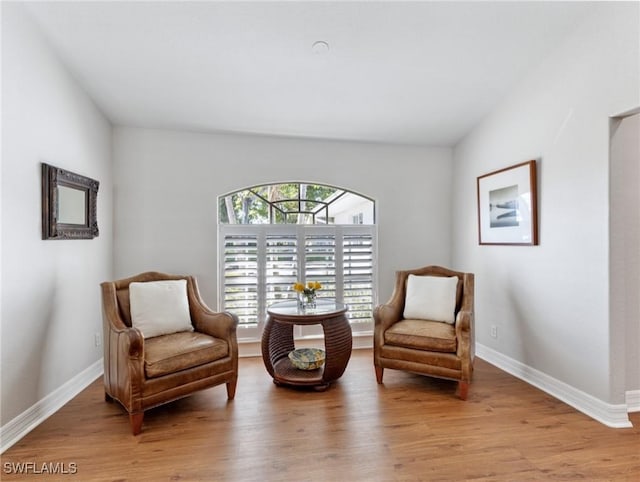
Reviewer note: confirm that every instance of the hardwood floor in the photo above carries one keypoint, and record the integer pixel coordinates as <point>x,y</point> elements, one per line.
<point>411,428</point>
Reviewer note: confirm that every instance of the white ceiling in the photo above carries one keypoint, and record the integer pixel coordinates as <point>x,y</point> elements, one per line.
<point>416,72</point>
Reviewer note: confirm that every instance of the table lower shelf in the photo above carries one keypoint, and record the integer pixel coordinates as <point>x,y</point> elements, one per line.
<point>286,374</point>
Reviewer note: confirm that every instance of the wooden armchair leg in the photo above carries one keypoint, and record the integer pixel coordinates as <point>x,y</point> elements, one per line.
<point>379,373</point>
<point>231,389</point>
<point>135,419</point>
<point>463,389</point>
<point>107,397</point>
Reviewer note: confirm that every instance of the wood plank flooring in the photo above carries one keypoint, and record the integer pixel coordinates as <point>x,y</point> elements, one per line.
<point>411,428</point>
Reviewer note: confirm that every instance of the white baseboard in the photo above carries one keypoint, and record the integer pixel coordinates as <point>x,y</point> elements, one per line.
<point>633,401</point>
<point>615,416</point>
<point>15,429</point>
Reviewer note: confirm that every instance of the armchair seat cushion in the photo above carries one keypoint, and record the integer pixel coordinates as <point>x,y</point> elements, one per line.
<point>179,351</point>
<point>422,335</point>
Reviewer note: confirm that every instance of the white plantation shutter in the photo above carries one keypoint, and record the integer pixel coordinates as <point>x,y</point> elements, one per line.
<point>357,269</point>
<point>320,261</point>
<point>240,290</point>
<point>281,260</point>
<point>261,263</point>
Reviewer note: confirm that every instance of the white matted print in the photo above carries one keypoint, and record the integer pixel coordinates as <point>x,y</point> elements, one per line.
<point>507,206</point>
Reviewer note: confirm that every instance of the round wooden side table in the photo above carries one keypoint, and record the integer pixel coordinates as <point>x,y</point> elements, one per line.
<point>277,342</point>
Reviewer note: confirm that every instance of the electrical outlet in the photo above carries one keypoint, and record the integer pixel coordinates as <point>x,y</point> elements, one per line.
<point>97,339</point>
<point>494,331</point>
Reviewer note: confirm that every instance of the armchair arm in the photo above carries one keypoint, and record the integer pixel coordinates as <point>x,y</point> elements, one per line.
<point>386,315</point>
<point>391,312</point>
<point>466,348</point>
<point>130,341</point>
<point>383,317</point>
<point>464,318</point>
<point>115,325</point>
<point>221,325</point>
<point>463,325</point>
<point>123,353</point>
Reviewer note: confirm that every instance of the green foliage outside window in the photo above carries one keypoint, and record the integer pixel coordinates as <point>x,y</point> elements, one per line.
<point>289,203</point>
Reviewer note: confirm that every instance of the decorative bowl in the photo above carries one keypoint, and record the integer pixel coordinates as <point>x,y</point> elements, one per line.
<point>307,358</point>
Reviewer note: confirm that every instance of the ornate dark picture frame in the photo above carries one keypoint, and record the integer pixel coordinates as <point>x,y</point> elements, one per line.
<point>68,204</point>
<point>508,206</point>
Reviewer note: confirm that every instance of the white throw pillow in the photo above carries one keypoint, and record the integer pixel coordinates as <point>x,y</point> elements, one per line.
<point>160,307</point>
<point>431,298</point>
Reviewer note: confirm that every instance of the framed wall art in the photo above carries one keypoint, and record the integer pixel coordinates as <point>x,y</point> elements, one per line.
<point>68,204</point>
<point>508,206</point>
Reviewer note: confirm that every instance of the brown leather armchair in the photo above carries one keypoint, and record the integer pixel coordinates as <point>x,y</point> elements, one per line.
<point>144,373</point>
<point>427,347</point>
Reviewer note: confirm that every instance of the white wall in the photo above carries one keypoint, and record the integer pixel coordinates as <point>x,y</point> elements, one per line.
<point>167,183</point>
<point>550,302</point>
<point>50,289</point>
<point>625,250</point>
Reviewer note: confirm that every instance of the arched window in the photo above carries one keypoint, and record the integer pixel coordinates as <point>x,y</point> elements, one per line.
<point>295,203</point>
<point>273,235</point>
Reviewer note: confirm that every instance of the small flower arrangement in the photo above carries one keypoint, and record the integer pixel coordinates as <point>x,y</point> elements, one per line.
<point>310,289</point>
<point>307,293</point>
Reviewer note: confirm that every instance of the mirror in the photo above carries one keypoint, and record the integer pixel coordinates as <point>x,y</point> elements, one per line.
<point>71,205</point>
<point>68,204</point>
